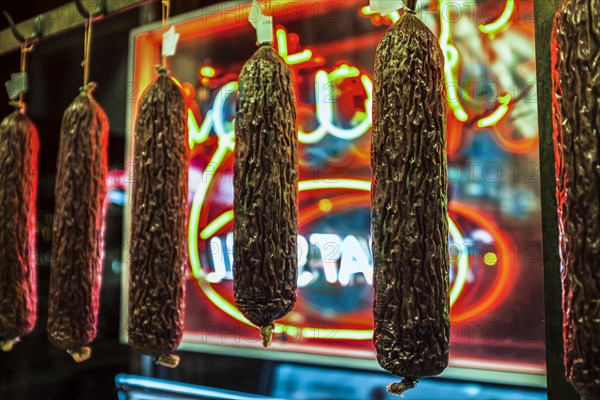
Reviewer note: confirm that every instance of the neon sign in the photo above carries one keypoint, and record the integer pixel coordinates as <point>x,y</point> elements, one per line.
<point>351,260</point>
<point>334,97</point>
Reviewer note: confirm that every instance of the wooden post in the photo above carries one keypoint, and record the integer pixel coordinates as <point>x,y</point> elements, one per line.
<point>558,386</point>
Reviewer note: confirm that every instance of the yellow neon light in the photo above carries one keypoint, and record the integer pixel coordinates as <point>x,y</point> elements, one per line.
<point>494,27</point>
<point>337,184</point>
<point>292,330</point>
<point>498,113</point>
<point>308,332</point>
<point>490,259</point>
<point>462,269</point>
<point>325,205</point>
<point>198,134</point>
<point>344,71</point>
<point>337,334</point>
<point>194,256</point>
<point>282,47</point>
<point>177,82</point>
<point>366,10</point>
<point>217,224</point>
<point>281,42</point>
<point>223,304</point>
<point>299,58</point>
<point>451,57</point>
<point>209,72</point>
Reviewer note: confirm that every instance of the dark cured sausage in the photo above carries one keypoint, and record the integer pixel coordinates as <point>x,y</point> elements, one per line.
<point>265,191</point>
<point>158,252</point>
<point>409,210</point>
<point>78,227</point>
<point>576,113</point>
<point>18,187</point>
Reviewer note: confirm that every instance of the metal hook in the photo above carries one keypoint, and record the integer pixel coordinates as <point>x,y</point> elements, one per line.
<point>37,29</point>
<point>101,9</point>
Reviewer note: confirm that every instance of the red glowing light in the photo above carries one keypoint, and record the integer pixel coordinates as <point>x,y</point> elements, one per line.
<point>502,283</point>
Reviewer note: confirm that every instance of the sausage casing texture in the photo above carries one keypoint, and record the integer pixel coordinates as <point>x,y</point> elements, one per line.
<point>78,227</point>
<point>576,116</point>
<point>18,186</point>
<point>158,252</point>
<point>409,205</point>
<point>265,191</point>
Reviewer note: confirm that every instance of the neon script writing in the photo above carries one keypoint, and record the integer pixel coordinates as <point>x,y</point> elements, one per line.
<point>325,84</point>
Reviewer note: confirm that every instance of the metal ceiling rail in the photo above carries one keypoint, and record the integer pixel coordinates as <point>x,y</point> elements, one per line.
<point>60,19</point>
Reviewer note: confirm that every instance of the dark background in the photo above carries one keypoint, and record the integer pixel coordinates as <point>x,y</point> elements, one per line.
<point>35,369</point>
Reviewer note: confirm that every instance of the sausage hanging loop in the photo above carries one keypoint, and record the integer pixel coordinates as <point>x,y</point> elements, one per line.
<point>24,50</point>
<point>101,9</point>
<point>88,88</point>
<point>87,39</point>
<point>7,345</point>
<point>26,47</point>
<point>399,388</point>
<point>18,105</point>
<point>166,9</point>
<point>80,355</point>
<point>266,332</point>
<point>167,360</point>
<point>160,69</point>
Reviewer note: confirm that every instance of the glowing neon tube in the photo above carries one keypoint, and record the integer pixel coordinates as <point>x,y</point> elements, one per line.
<point>494,27</point>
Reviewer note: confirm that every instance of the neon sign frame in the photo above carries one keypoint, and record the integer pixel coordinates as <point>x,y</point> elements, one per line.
<point>225,145</point>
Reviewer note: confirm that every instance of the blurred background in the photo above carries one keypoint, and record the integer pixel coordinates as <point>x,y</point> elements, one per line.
<point>323,349</point>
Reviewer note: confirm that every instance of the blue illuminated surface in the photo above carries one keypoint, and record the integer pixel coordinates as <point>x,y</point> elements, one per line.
<point>143,388</point>
<point>116,196</point>
<point>302,382</point>
<point>296,382</point>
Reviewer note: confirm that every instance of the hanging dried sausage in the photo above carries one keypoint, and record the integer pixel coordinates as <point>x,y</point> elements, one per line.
<point>409,210</point>
<point>576,113</point>
<point>78,227</point>
<point>158,252</point>
<point>18,186</point>
<point>265,191</point>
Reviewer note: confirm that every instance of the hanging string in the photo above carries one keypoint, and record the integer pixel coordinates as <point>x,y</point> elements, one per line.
<point>20,104</point>
<point>24,50</point>
<point>165,19</point>
<point>87,40</point>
